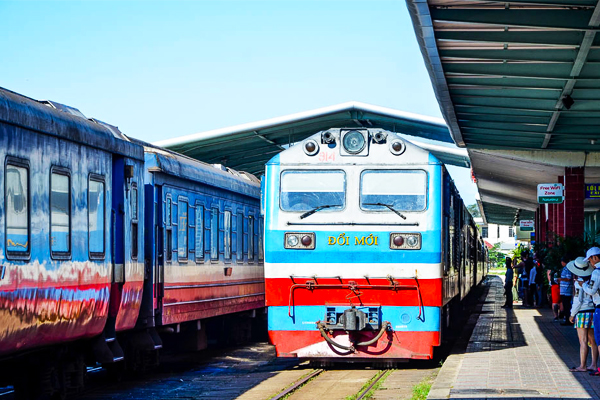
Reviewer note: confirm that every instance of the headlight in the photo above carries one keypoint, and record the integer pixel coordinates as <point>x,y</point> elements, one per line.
<point>412,241</point>
<point>405,241</point>
<point>292,241</point>
<point>354,142</point>
<point>299,240</point>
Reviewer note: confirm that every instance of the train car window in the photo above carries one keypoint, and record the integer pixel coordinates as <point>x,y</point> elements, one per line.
<point>307,190</point>
<point>199,233</point>
<point>16,197</point>
<point>182,229</point>
<point>250,238</point>
<point>402,190</point>
<point>261,248</point>
<point>134,222</point>
<point>227,235</point>
<point>96,217</point>
<point>168,229</point>
<point>60,213</point>
<point>214,234</point>
<point>168,212</point>
<point>239,235</point>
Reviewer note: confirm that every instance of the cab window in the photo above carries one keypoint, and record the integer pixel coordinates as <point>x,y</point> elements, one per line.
<point>307,190</point>
<point>401,190</point>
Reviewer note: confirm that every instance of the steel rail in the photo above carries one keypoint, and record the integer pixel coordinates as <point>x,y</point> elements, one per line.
<point>298,384</point>
<point>377,379</point>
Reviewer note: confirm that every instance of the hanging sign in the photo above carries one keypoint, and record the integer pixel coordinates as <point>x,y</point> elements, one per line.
<point>592,190</point>
<point>526,225</point>
<point>550,193</point>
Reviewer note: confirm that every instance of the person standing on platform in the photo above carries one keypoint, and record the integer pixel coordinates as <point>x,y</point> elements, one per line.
<point>554,293</point>
<point>524,274</point>
<point>508,284</point>
<point>566,290</point>
<point>582,314</point>
<point>533,288</point>
<point>593,288</point>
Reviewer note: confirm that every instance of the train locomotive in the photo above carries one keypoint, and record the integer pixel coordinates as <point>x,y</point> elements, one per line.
<point>369,248</point>
<point>109,245</point>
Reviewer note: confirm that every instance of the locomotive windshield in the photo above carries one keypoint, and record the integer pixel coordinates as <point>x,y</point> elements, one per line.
<point>307,190</point>
<point>403,190</point>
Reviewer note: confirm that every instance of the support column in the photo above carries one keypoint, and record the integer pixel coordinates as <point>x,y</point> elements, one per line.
<point>541,234</point>
<point>560,213</point>
<point>553,218</point>
<point>573,205</point>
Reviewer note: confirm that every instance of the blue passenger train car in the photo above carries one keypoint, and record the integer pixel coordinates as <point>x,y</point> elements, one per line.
<point>108,243</point>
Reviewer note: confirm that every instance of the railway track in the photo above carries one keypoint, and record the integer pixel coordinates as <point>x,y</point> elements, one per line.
<point>342,384</point>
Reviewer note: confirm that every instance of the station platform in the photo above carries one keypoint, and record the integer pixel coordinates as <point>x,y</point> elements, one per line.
<point>514,354</point>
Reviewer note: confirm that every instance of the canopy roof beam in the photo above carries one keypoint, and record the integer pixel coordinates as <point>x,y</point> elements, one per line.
<point>582,56</point>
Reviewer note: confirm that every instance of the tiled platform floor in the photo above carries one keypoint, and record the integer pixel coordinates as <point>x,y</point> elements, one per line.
<point>515,354</point>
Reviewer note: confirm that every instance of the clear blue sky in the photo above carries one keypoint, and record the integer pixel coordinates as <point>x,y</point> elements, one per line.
<point>162,69</point>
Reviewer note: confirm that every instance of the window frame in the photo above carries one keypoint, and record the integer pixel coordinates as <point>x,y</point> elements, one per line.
<point>308,171</point>
<point>214,234</point>
<point>135,221</point>
<point>384,209</point>
<point>251,250</point>
<point>261,249</point>
<point>168,223</point>
<point>180,200</point>
<point>11,254</point>
<point>199,233</point>
<point>227,235</point>
<point>239,238</point>
<point>61,255</point>
<point>95,255</point>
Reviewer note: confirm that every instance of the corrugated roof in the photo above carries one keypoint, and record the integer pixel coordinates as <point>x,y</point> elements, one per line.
<point>513,75</point>
<point>249,146</point>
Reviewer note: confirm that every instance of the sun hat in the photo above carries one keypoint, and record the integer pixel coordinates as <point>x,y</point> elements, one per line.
<point>580,267</point>
<point>594,251</point>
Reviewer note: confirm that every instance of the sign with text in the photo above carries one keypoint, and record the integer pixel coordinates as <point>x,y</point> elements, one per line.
<point>592,190</point>
<point>550,193</point>
<point>526,225</point>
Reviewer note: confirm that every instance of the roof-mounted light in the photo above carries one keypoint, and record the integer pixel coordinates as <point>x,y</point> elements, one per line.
<point>397,147</point>
<point>354,142</point>
<point>311,147</point>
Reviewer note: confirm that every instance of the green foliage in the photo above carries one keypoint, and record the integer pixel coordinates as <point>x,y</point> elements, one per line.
<point>474,210</point>
<point>495,256</point>
<point>516,252</point>
<point>551,252</point>
<point>421,390</point>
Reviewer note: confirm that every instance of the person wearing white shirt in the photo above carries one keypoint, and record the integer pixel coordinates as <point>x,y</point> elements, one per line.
<point>592,288</point>
<point>582,315</point>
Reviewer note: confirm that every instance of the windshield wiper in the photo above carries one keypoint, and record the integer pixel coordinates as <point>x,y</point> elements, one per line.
<point>314,210</point>
<point>388,206</point>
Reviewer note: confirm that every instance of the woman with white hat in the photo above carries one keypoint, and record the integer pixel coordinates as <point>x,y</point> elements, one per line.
<point>582,314</point>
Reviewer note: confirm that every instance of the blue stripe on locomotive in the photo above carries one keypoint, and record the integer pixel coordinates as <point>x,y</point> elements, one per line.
<point>429,253</point>
<point>402,318</point>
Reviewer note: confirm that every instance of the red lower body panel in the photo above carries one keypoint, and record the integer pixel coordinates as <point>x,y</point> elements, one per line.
<point>396,345</point>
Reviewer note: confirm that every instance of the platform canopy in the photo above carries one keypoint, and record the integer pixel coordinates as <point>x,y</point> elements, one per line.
<point>517,75</point>
<point>249,146</point>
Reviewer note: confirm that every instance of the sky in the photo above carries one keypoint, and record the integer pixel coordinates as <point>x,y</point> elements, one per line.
<point>163,69</point>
